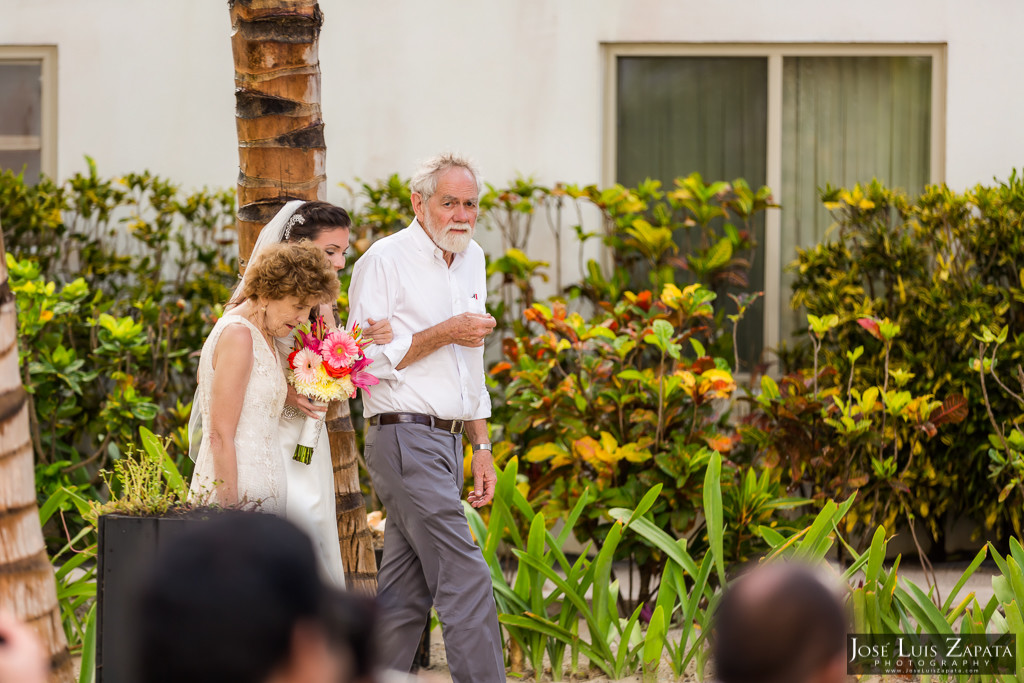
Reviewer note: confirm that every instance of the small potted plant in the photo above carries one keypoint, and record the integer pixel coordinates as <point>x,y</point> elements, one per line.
<point>147,508</point>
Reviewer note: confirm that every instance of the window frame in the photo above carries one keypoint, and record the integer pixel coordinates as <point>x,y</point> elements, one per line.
<point>774,53</point>
<point>46,56</point>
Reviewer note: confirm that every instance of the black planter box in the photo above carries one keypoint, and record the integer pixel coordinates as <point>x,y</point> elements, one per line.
<point>127,545</point>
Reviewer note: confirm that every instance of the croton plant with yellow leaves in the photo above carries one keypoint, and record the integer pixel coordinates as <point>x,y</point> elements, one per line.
<point>621,403</point>
<point>836,435</point>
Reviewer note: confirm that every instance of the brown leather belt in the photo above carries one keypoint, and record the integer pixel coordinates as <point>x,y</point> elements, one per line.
<point>450,426</point>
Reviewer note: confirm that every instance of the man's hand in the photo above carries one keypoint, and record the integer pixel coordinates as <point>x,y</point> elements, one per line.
<point>378,331</point>
<point>470,329</point>
<point>484,479</point>
<point>465,329</point>
<point>304,404</point>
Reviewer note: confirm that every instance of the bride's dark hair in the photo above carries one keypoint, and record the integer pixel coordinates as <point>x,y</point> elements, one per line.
<point>312,218</point>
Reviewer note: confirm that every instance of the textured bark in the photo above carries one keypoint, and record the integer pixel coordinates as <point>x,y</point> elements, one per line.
<point>353,533</point>
<point>281,154</point>
<point>27,586</point>
<point>281,148</point>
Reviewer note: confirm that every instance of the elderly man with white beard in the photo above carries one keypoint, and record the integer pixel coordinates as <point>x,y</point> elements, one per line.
<point>430,281</point>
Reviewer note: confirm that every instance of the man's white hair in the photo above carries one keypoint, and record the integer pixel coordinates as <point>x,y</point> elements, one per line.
<point>424,181</point>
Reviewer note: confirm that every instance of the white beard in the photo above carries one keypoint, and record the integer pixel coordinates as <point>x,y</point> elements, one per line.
<point>452,242</point>
<point>455,242</point>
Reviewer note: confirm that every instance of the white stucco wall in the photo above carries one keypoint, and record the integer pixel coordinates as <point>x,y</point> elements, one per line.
<point>517,84</point>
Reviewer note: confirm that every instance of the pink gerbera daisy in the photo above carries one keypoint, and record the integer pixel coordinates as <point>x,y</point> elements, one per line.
<point>339,349</point>
<point>306,365</point>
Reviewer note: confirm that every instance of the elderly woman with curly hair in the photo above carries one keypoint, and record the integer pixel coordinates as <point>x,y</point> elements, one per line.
<point>242,389</point>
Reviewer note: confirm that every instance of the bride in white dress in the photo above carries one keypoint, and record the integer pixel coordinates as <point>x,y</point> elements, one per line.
<point>311,499</point>
<point>241,389</point>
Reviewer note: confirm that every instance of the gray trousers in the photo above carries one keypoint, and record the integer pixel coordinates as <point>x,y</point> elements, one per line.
<point>429,555</point>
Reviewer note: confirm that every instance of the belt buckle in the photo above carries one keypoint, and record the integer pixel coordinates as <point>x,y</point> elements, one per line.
<point>458,426</point>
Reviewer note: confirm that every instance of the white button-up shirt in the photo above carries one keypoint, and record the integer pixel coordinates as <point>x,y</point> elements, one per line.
<point>403,278</point>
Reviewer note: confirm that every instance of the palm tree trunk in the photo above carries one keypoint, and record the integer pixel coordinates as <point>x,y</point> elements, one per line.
<point>281,154</point>
<point>353,532</point>
<point>27,586</point>
<point>281,149</point>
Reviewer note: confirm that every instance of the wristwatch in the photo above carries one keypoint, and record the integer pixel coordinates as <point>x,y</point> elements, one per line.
<point>481,447</point>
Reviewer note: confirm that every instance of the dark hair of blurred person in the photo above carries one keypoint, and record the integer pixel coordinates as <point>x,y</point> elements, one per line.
<point>350,621</point>
<point>238,598</point>
<point>779,624</point>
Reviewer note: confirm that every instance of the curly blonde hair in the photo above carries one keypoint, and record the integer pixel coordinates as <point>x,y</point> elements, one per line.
<point>299,269</point>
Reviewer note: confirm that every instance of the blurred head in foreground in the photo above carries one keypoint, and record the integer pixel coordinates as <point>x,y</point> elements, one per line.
<point>22,657</point>
<point>238,598</point>
<point>779,624</point>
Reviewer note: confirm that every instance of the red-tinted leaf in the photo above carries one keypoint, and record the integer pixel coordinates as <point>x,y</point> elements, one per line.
<point>825,373</point>
<point>871,325</point>
<point>677,262</point>
<point>509,348</point>
<point>702,365</point>
<point>564,329</point>
<point>952,410</point>
<point>534,315</point>
<point>720,443</point>
<point>500,368</point>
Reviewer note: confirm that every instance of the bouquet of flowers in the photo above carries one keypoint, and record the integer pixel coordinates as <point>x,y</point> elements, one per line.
<point>326,364</point>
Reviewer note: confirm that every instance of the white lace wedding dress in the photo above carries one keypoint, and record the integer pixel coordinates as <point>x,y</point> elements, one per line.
<point>262,482</point>
<point>310,502</point>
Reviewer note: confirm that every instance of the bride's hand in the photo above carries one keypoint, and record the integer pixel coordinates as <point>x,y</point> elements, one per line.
<point>379,331</point>
<point>304,404</point>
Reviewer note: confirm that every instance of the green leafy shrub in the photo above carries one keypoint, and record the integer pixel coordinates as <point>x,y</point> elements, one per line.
<point>939,266</point>
<point>625,402</point>
<point>117,283</point>
<point>836,435</point>
<point>694,233</point>
<point>1006,442</point>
